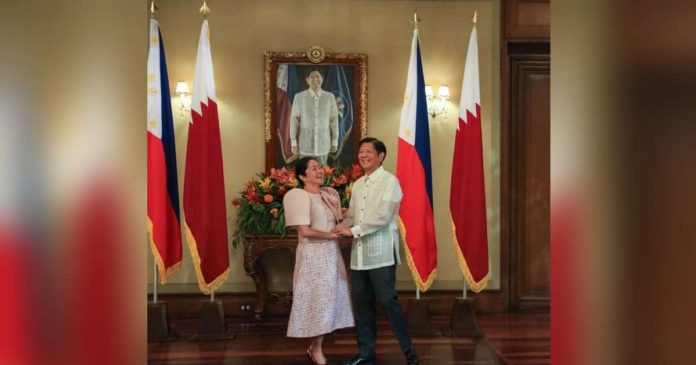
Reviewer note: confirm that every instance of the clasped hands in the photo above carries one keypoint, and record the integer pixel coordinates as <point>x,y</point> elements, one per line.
<point>343,230</point>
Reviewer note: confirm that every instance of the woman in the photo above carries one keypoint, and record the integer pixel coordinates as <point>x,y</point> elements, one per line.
<point>321,301</point>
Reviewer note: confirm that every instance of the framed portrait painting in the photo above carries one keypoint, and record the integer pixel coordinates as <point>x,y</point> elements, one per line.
<point>315,104</point>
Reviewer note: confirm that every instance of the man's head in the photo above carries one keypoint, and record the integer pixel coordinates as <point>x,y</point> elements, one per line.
<point>314,79</point>
<point>371,153</point>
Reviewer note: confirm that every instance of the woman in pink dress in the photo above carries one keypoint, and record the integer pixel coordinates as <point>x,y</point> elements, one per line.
<point>321,300</point>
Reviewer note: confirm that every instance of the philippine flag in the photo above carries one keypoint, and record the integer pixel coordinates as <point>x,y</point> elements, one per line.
<point>413,168</point>
<point>162,187</point>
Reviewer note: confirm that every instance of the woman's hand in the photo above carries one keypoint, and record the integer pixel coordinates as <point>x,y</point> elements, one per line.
<point>343,230</point>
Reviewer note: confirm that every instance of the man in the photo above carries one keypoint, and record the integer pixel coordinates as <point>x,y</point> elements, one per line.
<point>372,221</point>
<point>315,116</point>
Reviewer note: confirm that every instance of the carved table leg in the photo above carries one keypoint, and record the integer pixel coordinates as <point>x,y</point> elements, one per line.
<point>254,271</point>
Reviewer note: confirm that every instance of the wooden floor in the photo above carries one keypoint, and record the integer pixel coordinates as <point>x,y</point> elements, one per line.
<point>509,339</point>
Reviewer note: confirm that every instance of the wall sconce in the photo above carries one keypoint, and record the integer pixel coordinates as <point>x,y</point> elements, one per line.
<point>437,104</point>
<point>182,90</point>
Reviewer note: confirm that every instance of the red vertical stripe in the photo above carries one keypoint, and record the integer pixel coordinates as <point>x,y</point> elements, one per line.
<point>18,326</point>
<point>204,196</point>
<point>468,199</point>
<point>415,213</point>
<point>285,110</point>
<point>166,232</point>
<point>566,313</point>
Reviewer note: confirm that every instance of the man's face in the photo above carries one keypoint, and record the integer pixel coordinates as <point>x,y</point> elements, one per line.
<point>368,157</point>
<point>314,80</point>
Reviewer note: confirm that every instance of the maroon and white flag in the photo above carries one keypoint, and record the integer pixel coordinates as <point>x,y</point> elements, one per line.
<point>468,191</point>
<point>205,210</point>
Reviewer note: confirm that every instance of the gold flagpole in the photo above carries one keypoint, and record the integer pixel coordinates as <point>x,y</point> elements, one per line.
<point>153,9</point>
<point>205,10</point>
<point>416,20</point>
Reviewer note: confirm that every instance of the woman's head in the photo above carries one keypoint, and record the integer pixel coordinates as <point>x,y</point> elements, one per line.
<point>308,171</point>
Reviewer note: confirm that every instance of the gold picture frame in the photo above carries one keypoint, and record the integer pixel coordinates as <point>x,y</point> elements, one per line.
<point>344,75</point>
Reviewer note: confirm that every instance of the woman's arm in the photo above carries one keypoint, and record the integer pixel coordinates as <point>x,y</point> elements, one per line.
<point>306,231</point>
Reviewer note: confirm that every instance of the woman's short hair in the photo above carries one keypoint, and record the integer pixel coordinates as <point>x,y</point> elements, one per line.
<point>301,167</point>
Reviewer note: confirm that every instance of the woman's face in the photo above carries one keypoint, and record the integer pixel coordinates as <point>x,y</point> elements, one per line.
<point>314,174</point>
<point>314,80</point>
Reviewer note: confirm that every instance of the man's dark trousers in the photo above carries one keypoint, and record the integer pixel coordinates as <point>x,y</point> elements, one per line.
<point>366,286</point>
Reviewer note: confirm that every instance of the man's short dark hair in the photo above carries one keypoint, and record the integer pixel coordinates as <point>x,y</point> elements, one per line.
<point>376,143</point>
<point>309,72</point>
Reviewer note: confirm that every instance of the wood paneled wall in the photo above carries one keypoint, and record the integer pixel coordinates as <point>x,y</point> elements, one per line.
<point>525,146</point>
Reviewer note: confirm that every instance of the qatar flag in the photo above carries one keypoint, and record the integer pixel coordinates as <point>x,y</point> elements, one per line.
<point>413,168</point>
<point>204,185</point>
<point>468,191</point>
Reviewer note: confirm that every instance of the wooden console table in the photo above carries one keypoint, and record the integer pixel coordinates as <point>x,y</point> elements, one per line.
<point>254,246</point>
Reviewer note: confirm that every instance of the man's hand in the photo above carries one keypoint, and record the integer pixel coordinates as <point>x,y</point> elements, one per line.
<point>295,150</point>
<point>343,230</point>
<point>333,149</point>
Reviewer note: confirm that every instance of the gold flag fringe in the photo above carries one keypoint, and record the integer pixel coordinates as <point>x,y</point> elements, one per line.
<point>218,281</point>
<point>464,267</point>
<point>164,273</point>
<point>423,285</point>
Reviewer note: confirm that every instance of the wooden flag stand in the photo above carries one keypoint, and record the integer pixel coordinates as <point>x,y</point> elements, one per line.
<point>212,324</point>
<point>158,323</point>
<point>157,318</point>
<point>418,317</point>
<point>463,319</point>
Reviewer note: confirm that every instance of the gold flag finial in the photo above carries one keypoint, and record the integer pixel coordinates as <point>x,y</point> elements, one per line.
<point>475,18</point>
<point>415,20</point>
<point>205,10</point>
<point>153,9</point>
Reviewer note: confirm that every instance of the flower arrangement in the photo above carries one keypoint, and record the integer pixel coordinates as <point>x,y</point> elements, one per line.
<point>260,204</point>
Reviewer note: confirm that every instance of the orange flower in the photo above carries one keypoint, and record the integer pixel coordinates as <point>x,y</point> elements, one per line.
<point>328,170</point>
<point>274,212</point>
<point>340,180</point>
<point>356,171</point>
<point>268,198</point>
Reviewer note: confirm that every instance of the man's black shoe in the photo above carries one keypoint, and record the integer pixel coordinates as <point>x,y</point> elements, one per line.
<point>359,361</point>
<point>412,357</point>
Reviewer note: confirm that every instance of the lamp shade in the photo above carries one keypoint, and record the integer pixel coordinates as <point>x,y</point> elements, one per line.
<point>182,87</point>
<point>428,91</point>
<point>443,92</point>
